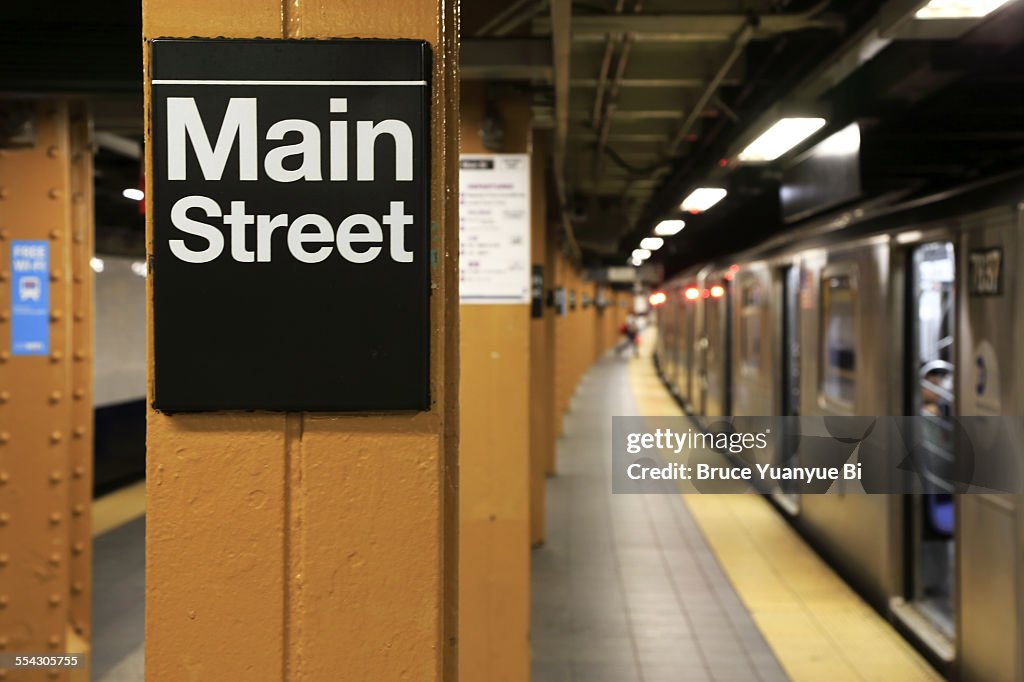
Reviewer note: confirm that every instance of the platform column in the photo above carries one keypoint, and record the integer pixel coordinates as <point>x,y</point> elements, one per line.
<point>494,565</point>
<point>542,380</point>
<point>313,547</point>
<point>45,384</point>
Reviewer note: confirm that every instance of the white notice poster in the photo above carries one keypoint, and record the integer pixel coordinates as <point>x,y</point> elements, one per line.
<point>494,228</point>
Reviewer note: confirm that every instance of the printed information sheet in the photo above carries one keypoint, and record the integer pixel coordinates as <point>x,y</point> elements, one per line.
<point>494,228</point>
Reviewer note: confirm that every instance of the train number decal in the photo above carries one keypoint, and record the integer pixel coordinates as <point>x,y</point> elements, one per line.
<point>984,272</point>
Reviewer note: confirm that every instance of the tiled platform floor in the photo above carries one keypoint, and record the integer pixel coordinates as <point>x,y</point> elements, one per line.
<point>119,587</point>
<point>817,626</point>
<point>626,589</point>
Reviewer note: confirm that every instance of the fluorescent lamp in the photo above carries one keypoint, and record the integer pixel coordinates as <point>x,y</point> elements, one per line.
<point>780,138</point>
<point>958,9</point>
<point>637,262</point>
<point>133,194</point>
<point>652,243</point>
<point>641,254</point>
<point>139,268</point>
<point>667,228</point>
<point>843,143</point>
<point>96,264</point>
<point>703,198</point>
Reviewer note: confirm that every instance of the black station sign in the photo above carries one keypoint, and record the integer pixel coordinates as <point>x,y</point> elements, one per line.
<point>291,222</point>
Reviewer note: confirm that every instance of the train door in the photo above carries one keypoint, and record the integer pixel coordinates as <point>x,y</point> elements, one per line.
<point>717,345</point>
<point>931,354</point>
<point>685,349</point>
<point>676,350</point>
<point>790,346</point>
<point>789,349</point>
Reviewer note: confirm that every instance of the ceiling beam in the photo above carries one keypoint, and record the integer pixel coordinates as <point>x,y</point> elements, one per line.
<point>506,59</point>
<point>650,82</point>
<point>591,136</point>
<point>698,27</point>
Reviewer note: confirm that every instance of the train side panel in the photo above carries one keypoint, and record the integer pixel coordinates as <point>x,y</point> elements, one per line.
<point>843,370</point>
<point>989,543</point>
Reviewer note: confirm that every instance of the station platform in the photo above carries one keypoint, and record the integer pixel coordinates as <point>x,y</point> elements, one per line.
<point>659,588</point>
<point>119,585</point>
<point>646,588</point>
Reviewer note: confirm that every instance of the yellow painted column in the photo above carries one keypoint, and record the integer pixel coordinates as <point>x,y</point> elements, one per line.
<point>314,546</point>
<point>542,381</point>
<point>494,493</point>
<point>559,283</point>
<point>564,358</point>
<point>551,283</point>
<point>46,389</point>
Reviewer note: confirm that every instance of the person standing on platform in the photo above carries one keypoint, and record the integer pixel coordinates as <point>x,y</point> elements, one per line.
<point>630,330</point>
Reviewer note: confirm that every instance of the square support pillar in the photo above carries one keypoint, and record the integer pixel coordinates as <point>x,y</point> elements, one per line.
<point>302,546</point>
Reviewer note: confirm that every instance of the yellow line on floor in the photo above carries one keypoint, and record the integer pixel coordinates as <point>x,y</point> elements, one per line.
<point>817,626</point>
<point>118,508</point>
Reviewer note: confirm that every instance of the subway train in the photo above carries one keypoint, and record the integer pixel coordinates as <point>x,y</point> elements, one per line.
<point>119,372</point>
<point>910,309</point>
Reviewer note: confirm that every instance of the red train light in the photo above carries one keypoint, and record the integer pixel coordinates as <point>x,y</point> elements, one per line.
<point>691,293</point>
<point>657,298</point>
<point>717,291</point>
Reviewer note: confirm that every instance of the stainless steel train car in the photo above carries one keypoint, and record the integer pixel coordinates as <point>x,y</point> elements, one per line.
<point>119,372</point>
<point>915,308</point>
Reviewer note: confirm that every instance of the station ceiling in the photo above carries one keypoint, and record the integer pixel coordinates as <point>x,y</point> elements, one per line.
<point>647,100</point>
<point>643,100</point>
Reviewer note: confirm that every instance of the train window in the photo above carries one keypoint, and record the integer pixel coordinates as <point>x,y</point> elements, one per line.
<point>839,362</point>
<point>750,326</point>
<point>933,289</point>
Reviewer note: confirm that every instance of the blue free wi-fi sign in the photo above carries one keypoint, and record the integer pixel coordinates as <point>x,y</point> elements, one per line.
<point>30,298</point>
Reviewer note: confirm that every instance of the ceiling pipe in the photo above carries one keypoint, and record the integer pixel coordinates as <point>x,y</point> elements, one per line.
<point>603,114</point>
<point>613,103</point>
<point>611,41</point>
<point>502,18</point>
<point>739,44</point>
<point>515,22</point>
<point>561,46</point>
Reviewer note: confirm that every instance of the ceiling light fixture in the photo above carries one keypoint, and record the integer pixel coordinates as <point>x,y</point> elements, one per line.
<point>958,9</point>
<point>667,228</point>
<point>641,254</point>
<point>652,243</point>
<point>785,134</point>
<point>703,198</point>
<point>133,194</point>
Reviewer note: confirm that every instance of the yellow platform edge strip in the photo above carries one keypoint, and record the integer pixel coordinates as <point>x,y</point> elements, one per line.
<point>118,508</point>
<point>816,625</point>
